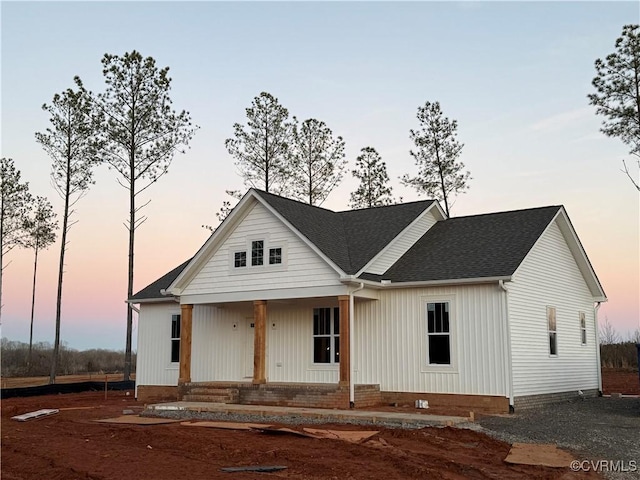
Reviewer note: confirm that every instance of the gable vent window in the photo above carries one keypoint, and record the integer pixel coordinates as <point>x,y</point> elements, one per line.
<point>439,333</point>
<point>175,338</point>
<point>326,335</point>
<point>275,256</point>
<point>257,252</point>
<point>583,329</point>
<point>553,334</point>
<point>240,259</point>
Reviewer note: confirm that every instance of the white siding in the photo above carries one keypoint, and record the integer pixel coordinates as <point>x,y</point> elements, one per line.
<point>290,344</point>
<point>217,348</point>
<point>391,338</point>
<point>402,243</point>
<point>302,267</point>
<point>549,276</point>
<point>153,362</point>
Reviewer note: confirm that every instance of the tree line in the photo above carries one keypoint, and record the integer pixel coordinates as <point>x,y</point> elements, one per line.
<point>132,127</point>
<point>70,362</point>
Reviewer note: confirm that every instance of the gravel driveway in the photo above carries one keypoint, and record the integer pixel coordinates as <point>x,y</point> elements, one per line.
<point>594,429</point>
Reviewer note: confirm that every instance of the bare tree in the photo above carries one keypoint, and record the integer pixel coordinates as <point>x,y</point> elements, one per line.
<point>15,203</point>
<point>41,229</point>
<point>262,149</point>
<point>70,143</point>
<point>608,334</point>
<point>440,174</point>
<point>317,161</point>
<point>617,96</point>
<point>141,134</point>
<point>374,189</point>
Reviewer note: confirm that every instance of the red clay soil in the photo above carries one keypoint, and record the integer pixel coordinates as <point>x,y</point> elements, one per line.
<point>70,446</point>
<point>625,381</point>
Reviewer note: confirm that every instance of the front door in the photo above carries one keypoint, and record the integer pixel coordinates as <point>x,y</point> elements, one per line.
<point>248,347</point>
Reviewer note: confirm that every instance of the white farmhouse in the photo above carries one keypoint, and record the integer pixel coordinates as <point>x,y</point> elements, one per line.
<point>291,304</point>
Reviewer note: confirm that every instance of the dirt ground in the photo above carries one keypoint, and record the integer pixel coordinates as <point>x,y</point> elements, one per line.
<point>71,446</point>
<point>17,382</point>
<point>623,381</point>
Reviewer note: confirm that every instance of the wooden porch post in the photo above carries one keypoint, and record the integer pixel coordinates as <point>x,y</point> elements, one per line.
<point>259,341</point>
<point>345,354</point>
<point>186,312</point>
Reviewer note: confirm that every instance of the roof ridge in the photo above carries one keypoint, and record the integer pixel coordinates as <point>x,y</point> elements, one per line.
<point>385,206</point>
<point>505,211</point>
<point>261,192</point>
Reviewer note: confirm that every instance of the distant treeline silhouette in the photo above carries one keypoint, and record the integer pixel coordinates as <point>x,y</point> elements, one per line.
<point>15,356</point>
<point>619,355</point>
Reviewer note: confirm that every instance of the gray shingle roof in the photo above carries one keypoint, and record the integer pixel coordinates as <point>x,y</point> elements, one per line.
<point>490,245</point>
<point>350,238</point>
<point>152,291</point>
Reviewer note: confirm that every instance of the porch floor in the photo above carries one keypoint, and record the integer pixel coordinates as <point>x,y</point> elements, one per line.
<point>299,415</point>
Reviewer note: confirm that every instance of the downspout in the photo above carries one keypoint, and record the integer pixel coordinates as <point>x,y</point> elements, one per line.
<point>507,334</point>
<point>595,325</point>
<point>352,314</point>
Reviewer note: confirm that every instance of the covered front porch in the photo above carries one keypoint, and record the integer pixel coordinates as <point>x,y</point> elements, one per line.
<point>291,352</point>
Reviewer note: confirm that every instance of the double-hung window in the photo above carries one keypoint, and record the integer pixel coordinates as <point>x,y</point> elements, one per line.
<point>175,338</point>
<point>583,329</point>
<point>439,333</point>
<point>326,335</point>
<point>553,334</point>
<point>257,253</point>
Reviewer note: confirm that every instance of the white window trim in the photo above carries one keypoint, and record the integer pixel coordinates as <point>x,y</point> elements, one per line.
<point>333,365</point>
<point>549,331</point>
<point>265,267</point>
<point>173,365</point>
<point>426,367</point>
<point>583,330</point>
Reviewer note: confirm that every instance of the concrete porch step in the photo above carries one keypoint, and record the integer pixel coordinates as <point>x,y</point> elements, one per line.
<point>211,398</point>
<point>204,390</point>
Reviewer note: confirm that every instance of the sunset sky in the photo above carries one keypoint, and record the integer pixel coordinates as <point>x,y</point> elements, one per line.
<point>514,75</point>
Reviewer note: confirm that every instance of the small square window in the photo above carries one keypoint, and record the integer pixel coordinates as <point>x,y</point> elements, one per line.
<point>275,256</point>
<point>240,259</point>
<point>257,253</point>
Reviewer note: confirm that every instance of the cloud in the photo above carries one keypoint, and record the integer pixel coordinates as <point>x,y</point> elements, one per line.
<point>560,121</point>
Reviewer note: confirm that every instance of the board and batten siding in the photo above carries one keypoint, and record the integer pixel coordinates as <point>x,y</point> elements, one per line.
<point>391,341</point>
<point>402,243</point>
<point>301,267</point>
<point>153,358</point>
<point>549,276</point>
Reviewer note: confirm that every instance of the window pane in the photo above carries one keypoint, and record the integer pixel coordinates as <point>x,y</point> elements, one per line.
<point>431,316</point>
<point>240,259</point>
<point>551,317</point>
<point>175,350</point>
<point>553,348</point>
<point>275,256</point>
<point>175,326</point>
<point>322,349</point>
<point>336,321</point>
<point>439,351</point>
<point>321,321</point>
<point>257,252</point>
<point>438,317</point>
